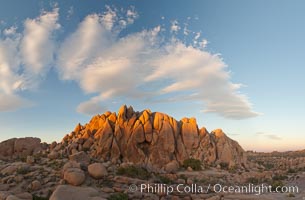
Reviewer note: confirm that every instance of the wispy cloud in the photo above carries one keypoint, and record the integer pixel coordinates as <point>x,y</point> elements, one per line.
<point>269,136</point>
<point>70,12</point>
<point>91,107</point>
<point>175,26</point>
<point>142,65</point>
<point>274,137</point>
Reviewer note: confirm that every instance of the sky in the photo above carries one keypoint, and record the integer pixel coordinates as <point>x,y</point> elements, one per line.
<point>236,65</point>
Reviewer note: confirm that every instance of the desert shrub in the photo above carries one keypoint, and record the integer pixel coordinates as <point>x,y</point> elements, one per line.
<point>279,177</point>
<point>269,166</point>
<point>253,180</point>
<point>192,163</point>
<point>233,170</point>
<point>164,180</point>
<point>39,198</point>
<point>23,170</point>
<point>291,171</point>
<point>224,165</point>
<point>118,196</point>
<point>182,176</point>
<point>276,184</point>
<point>134,172</point>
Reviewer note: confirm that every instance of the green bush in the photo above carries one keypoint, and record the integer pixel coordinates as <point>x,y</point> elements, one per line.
<point>279,177</point>
<point>164,180</point>
<point>23,170</point>
<point>269,166</point>
<point>253,180</point>
<point>118,196</point>
<point>291,171</point>
<point>276,184</point>
<point>134,172</point>
<point>224,165</point>
<point>182,176</point>
<point>39,198</point>
<point>192,163</point>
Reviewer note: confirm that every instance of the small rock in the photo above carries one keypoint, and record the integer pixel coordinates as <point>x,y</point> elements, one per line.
<point>53,155</point>
<point>97,170</point>
<point>30,160</point>
<point>181,181</point>
<point>189,181</point>
<point>35,185</point>
<point>80,157</point>
<point>9,170</point>
<point>189,169</point>
<point>107,190</point>
<point>172,166</point>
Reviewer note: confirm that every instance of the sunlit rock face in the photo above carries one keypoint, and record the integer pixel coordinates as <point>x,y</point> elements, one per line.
<point>152,139</point>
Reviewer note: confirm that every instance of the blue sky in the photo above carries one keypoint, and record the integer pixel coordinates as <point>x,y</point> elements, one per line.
<point>235,65</point>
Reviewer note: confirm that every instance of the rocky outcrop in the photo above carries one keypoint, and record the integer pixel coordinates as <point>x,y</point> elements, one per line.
<point>19,147</point>
<point>152,139</point>
<point>227,150</point>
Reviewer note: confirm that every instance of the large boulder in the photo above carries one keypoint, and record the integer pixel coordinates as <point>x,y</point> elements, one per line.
<point>97,170</point>
<point>74,176</point>
<point>64,192</point>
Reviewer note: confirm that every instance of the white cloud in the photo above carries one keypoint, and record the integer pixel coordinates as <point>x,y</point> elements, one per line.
<point>175,26</point>
<point>10,31</point>
<point>197,36</point>
<point>70,12</point>
<point>38,45</point>
<point>109,18</point>
<point>25,57</point>
<point>80,48</point>
<point>203,43</point>
<point>11,102</point>
<point>111,67</point>
<point>9,65</point>
<point>131,15</point>
<point>90,107</point>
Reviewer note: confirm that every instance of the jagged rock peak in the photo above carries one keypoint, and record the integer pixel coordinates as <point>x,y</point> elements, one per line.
<point>154,139</point>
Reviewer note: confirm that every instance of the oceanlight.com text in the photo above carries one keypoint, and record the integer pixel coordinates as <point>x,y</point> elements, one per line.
<point>217,188</point>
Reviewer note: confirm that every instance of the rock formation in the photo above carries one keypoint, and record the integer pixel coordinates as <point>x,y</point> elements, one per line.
<point>153,140</point>
<point>103,158</point>
<point>19,148</point>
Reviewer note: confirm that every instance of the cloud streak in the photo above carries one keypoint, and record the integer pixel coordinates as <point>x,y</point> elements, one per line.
<point>269,136</point>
